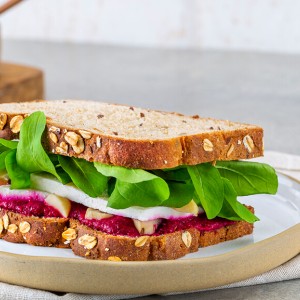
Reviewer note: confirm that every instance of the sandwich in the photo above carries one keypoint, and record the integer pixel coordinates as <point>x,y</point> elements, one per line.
<point>122,183</point>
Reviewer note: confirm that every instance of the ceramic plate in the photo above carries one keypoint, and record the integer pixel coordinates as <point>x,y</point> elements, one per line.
<point>274,241</point>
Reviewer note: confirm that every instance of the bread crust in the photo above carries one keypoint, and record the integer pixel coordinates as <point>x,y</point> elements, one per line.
<point>42,231</point>
<point>148,154</point>
<point>164,247</point>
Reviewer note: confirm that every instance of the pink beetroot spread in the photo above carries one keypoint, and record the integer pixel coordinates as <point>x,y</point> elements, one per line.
<point>28,204</point>
<point>200,222</point>
<point>33,204</point>
<point>115,225</point>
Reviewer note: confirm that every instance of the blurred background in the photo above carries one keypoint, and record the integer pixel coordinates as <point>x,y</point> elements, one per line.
<point>230,59</point>
<point>260,25</point>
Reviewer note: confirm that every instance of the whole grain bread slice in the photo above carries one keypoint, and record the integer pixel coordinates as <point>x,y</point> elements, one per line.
<point>94,244</point>
<point>133,137</point>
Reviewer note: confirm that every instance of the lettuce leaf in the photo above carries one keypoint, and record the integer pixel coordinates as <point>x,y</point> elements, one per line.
<point>134,187</point>
<point>181,193</point>
<point>232,209</point>
<point>5,147</point>
<point>84,175</point>
<point>31,155</point>
<point>2,159</point>
<point>176,174</point>
<point>128,175</point>
<point>249,178</point>
<point>209,190</point>
<point>20,178</point>
<point>7,144</point>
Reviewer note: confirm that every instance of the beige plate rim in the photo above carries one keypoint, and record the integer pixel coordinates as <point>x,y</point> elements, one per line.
<point>154,277</point>
<point>57,274</point>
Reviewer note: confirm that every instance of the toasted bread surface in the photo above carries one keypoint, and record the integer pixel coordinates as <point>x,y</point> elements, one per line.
<point>134,137</point>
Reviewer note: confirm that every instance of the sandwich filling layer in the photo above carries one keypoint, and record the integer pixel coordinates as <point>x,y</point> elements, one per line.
<point>34,203</point>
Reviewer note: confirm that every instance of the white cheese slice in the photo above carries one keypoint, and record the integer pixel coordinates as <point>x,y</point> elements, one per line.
<point>48,183</point>
<point>6,191</point>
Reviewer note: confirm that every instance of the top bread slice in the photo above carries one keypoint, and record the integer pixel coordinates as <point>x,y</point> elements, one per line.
<point>133,137</point>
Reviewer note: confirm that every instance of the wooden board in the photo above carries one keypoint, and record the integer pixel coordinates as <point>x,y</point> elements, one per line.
<point>20,83</point>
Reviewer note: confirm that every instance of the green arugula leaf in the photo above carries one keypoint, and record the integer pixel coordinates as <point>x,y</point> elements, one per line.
<point>116,200</point>
<point>20,179</point>
<point>111,185</point>
<point>175,174</point>
<point>125,174</point>
<point>181,193</point>
<point>209,188</point>
<point>249,178</point>
<point>137,187</point>
<point>2,159</point>
<point>31,155</point>
<point>146,193</point>
<point>232,209</point>
<point>84,175</point>
<point>9,144</point>
<point>63,175</point>
<point>54,158</point>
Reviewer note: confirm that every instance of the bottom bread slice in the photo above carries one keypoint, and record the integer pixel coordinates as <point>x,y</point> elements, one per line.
<point>93,244</point>
<point>36,231</point>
